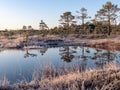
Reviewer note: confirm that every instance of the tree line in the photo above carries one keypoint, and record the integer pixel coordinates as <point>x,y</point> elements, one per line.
<point>106,21</point>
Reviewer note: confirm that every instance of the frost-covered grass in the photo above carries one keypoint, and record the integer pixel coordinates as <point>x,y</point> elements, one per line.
<point>72,78</point>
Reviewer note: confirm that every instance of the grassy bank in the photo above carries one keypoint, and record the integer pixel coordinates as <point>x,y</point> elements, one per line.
<point>72,78</point>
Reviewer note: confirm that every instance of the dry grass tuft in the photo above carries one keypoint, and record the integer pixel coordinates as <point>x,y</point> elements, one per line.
<point>107,78</point>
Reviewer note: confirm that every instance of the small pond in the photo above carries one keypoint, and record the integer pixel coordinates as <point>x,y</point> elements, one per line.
<point>17,65</point>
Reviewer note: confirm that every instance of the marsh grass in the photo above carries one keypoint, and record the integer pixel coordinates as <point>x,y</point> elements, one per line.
<point>70,78</point>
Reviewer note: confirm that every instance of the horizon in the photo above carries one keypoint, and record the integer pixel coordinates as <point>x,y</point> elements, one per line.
<point>16,13</point>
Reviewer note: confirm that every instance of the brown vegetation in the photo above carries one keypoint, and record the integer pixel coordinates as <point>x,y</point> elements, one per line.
<point>107,78</point>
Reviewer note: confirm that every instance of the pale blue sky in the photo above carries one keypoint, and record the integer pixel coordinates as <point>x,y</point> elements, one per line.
<point>16,13</point>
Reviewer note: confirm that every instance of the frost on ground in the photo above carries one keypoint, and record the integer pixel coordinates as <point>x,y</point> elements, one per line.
<point>107,78</point>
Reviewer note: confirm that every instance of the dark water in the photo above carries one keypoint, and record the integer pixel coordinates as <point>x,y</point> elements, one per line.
<point>17,65</point>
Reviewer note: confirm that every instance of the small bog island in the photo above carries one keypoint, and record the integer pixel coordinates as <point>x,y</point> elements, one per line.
<point>59,45</point>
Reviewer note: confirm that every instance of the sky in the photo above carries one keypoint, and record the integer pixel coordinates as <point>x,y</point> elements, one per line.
<point>16,13</point>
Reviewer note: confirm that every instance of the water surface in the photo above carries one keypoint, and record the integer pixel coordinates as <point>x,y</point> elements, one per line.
<point>19,65</point>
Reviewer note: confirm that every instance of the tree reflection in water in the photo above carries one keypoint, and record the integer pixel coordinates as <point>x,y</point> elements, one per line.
<point>43,50</point>
<point>83,59</point>
<point>71,53</point>
<point>28,54</point>
<point>103,56</point>
<point>82,55</point>
<point>66,53</point>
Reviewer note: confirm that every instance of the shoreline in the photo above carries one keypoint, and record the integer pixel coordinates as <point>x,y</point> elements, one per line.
<point>35,42</point>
